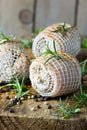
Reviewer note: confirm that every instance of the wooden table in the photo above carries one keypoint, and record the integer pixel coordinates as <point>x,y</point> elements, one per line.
<point>23,118</point>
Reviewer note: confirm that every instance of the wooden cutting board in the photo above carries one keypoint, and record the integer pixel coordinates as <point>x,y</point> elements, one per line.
<point>24,118</point>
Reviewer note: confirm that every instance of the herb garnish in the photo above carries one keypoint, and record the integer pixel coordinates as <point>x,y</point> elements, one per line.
<point>27,43</point>
<point>36,32</point>
<point>4,38</point>
<point>65,110</point>
<point>20,89</point>
<point>53,53</point>
<point>84,67</point>
<point>63,29</point>
<point>84,43</point>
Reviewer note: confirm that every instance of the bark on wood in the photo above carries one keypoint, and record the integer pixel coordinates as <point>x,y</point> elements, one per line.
<point>16,123</point>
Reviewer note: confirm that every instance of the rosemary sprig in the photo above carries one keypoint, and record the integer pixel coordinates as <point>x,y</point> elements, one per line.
<point>53,53</point>
<point>84,43</point>
<point>80,99</point>
<point>27,43</point>
<point>65,110</point>
<point>63,29</point>
<point>84,67</point>
<point>20,89</point>
<point>36,32</point>
<point>4,38</point>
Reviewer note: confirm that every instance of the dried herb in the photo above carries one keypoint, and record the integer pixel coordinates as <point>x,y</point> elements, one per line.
<point>63,29</point>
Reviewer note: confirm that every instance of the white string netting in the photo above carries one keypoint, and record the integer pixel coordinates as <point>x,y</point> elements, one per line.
<point>70,43</point>
<point>56,77</point>
<point>13,63</point>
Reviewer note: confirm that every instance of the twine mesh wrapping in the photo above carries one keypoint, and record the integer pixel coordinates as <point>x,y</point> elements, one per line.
<point>70,42</point>
<point>56,77</point>
<point>12,62</point>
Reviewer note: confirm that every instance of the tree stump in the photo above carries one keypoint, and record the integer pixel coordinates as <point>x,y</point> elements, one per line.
<point>24,118</point>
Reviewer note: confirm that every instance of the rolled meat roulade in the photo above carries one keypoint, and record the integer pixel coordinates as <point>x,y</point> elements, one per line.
<point>13,63</point>
<point>55,77</point>
<point>66,38</point>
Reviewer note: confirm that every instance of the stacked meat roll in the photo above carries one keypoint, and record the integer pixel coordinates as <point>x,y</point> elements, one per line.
<point>12,62</point>
<point>55,77</point>
<point>65,36</point>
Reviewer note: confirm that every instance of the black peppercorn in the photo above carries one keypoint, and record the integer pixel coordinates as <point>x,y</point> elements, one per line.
<point>11,110</point>
<point>49,106</point>
<point>38,106</point>
<point>7,97</point>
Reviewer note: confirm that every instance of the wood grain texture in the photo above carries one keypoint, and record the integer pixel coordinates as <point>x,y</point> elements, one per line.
<point>24,118</point>
<point>15,123</point>
<point>10,20</point>
<point>53,11</point>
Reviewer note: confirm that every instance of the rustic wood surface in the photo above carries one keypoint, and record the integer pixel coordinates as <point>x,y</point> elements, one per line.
<point>24,118</point>
<point>40,119</point>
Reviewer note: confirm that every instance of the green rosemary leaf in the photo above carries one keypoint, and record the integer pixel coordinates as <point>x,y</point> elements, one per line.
<point>53,53</point>
<point>56,31</point>
<point>63,29</point>
<point>24,93</point>
<point>2,41</point>
<point>21,91</point>
<point>80,100</point>
<point>9,105</point>
<point>7,85</point>
<point>22,82</point>
<point>81,90</point>
<point>27,43</point>
<point>54,47</point>
<point>83,67</point>
<point>36,32</point>
<point>84,43</point>
<point>48,59</point>
<point>4,38</point>
<point>77,110</point>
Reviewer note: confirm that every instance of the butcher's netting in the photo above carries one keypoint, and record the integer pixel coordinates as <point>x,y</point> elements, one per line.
<point>70,42</point>
<point>56,77</point>
<point>13,63</point>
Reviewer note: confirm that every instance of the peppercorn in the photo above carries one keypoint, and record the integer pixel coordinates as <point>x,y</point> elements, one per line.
<point>49,106</point>
<point>38,106</point>
<point>7,97</point>
<point>11,110</point>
